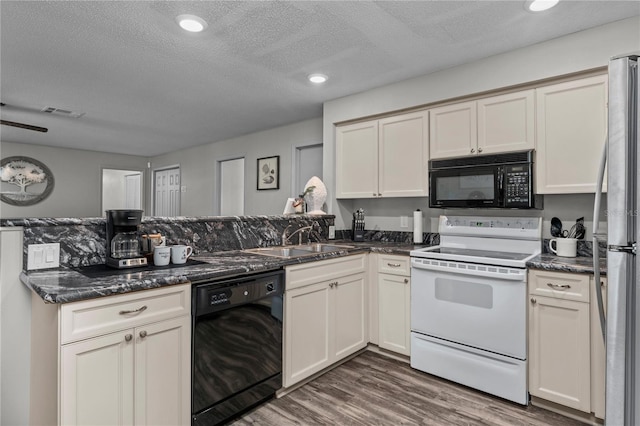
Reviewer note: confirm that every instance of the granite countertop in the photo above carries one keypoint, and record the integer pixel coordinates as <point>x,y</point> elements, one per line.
<point>580,265</point>
<point>64,285</point>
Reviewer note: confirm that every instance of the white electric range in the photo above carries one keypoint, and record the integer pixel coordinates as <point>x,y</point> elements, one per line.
<point>468,303</point>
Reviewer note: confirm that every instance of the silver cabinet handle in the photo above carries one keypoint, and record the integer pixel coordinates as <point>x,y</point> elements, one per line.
<point>333,284</point>
<point>533,301</point>
<point>479,149</point>
<point>374,194</point>
<point>473,150</point>
<point>379,194</point>
<point>394,265</point>
<point>406,280</point>
<point>143,334</point>
<point>128,337</point>
<point>559,286</point>
<point>134,311</point>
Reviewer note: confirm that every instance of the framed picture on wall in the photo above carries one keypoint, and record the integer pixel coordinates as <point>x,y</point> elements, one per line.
<point>269,173</point>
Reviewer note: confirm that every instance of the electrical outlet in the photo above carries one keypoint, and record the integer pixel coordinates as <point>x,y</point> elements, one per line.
<point>332,232</point>
<point>43,256</point>
<point>404,221</point>
<point>183,188</point>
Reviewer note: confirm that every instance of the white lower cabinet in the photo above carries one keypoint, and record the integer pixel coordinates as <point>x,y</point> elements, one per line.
<point>566,350</point>
<point>325,315</point>
<point>394,304</point>
<point>137,374</point>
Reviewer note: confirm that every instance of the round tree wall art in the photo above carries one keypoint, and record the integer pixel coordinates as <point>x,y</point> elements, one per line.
<point>24,181</point>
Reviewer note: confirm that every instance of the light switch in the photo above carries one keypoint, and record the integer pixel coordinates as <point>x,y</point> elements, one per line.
<point>42,256</point>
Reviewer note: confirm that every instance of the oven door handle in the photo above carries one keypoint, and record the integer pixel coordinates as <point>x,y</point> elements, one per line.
<point>457,268</point>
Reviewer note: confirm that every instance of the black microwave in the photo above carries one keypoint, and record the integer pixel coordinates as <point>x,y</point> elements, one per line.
<point>483,181</point>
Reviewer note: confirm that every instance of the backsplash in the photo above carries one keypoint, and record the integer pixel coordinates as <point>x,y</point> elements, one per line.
<point>83,241</point>
<point>428,238</point>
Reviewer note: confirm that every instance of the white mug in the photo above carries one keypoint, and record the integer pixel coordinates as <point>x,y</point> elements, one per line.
<point>161,255</point>
<point>180,254</point>
<point>564,247</point>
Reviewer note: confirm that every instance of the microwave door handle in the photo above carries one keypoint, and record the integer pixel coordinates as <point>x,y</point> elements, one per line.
<point>501,185</point>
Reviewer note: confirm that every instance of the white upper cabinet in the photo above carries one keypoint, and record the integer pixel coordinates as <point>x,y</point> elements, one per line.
<point>383,158</point>
<point>453,131</point>
<point>497,124</point>
<point>357,160</point>
<point>403,156</point>
<point>571,129</point>
<point>506,123</point>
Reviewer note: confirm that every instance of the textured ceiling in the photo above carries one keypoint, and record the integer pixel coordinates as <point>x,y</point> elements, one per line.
<point>147,87</point>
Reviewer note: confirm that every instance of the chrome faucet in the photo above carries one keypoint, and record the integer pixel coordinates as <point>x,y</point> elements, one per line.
<point>287,239</point>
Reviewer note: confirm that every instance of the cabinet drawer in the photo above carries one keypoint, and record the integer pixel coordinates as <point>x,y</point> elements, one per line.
<point>313,272</point>
<point>394,264</point>
<point>559,285</point>
<point>89,318</point>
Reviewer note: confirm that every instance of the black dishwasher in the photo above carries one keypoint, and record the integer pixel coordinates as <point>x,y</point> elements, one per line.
<point>236,345</point>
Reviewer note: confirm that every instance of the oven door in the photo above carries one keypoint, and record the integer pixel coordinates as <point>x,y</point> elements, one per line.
<point>475,305</point>
<point>477,186</point>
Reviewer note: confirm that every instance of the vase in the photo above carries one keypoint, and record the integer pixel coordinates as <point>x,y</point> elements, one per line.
<point>317,197</point>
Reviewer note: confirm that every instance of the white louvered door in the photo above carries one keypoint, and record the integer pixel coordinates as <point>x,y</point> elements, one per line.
<point>167,192</point>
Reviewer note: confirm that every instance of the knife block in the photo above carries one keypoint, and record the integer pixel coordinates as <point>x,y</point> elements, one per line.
<point>357,231</point>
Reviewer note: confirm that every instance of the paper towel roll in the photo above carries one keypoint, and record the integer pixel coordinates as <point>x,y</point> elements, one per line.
<point>417,227</point>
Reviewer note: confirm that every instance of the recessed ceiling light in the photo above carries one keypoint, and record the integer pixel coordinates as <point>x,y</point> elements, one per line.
<point>540,5</point>
<point>318,78</point>
<point>191,23</point>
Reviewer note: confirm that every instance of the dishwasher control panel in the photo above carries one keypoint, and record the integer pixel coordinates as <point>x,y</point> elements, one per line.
<point>219,295</point>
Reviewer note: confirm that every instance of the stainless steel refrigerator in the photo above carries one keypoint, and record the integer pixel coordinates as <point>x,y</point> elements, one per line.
<point>622,325</point>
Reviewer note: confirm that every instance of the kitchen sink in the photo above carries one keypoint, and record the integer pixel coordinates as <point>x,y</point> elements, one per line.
<point>323,248</point>
<point>288,252</point>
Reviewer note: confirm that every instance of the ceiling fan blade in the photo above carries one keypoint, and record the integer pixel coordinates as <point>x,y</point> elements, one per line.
<point>24,126</point>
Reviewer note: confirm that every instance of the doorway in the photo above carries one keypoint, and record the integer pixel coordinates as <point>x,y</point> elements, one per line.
<point>231,187</point>
<point>166,190</point>
<point>122,189</point>
<point>307,163</point>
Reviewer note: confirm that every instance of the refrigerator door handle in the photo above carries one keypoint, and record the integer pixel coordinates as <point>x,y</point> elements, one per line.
<point>596,241</point>
<point>630,248</point>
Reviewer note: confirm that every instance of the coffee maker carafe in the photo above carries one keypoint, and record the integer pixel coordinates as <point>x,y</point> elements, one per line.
<point>123,244</point>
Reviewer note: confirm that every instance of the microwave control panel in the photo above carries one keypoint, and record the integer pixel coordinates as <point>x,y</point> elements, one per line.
<point>519,187</point>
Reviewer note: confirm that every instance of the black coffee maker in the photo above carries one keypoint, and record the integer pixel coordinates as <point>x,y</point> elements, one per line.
<point>123,244</point>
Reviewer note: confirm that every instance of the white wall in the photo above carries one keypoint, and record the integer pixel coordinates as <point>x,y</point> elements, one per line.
<point>573,53</point>
<point>198,167</point>
<point>78,179</point>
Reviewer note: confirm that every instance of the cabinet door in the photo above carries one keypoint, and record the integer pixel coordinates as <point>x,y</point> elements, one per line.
<point>349,324</point>
<point>506,123</point>
<point>97,382</point>
<point>357,160</point>
<point>571,129</point>
<point>394,313</point>
<point>597,353</point>
<point>559,346</point>
<point>453,130</point>
<point>307,320</point>
<point>404,155</point>
<point>163,373</point>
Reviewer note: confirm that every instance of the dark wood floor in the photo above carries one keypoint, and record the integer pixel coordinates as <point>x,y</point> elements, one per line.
<point>373,389</point>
